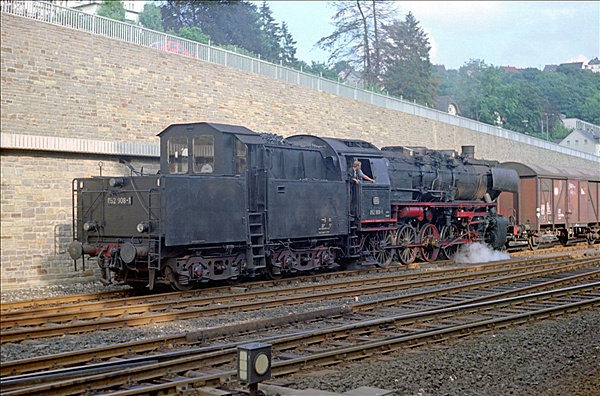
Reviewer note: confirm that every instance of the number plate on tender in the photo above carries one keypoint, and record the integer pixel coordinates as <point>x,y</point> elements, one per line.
<point>113,201</point>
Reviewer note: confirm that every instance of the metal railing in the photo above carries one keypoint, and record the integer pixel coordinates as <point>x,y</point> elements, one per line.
<point>70,18</point>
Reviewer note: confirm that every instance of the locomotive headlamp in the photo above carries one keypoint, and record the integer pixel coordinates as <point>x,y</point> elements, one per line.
<point>90,226</point>
<point>116,182</point>
<point>143,227</point>
<point>254,362</point>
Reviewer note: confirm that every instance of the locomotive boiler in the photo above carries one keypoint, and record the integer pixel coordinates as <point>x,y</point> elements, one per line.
<point>229,203</point>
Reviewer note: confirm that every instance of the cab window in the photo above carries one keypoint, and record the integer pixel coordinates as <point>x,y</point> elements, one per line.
<point>240,157</point>
<point>204,154</point>
<point>177,148</point>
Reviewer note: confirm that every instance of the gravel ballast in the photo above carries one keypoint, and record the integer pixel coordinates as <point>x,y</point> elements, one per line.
<point>554,357</point>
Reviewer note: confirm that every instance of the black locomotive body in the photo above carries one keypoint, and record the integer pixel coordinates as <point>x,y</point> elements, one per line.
<point>228,204</point>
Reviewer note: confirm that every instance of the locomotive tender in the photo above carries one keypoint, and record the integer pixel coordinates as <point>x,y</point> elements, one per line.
<point>229,203</point>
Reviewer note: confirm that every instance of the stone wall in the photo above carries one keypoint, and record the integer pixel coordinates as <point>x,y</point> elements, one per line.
<point>58,82</point>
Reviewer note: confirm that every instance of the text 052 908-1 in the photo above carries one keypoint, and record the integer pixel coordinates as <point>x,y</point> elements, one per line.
<point>119,200</point>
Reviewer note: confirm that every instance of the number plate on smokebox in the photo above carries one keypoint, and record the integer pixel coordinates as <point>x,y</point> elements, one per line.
<point>114,201</point>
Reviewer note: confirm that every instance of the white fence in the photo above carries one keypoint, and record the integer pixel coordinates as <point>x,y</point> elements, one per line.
<point>70,18</point>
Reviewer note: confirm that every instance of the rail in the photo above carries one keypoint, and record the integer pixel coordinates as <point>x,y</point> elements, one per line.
<point>70,18</point>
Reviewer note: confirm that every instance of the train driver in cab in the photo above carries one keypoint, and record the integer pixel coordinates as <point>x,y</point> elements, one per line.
<point>357,175</point>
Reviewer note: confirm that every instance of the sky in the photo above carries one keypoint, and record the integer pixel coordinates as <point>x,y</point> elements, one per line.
<point>500,33</point>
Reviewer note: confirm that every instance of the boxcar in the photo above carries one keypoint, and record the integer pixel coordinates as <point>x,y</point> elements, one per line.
<point>552,204</point>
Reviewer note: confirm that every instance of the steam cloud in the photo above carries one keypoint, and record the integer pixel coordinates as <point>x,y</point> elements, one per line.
<point>471,253</point>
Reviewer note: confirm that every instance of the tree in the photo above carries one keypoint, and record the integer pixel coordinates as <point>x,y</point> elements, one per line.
<point>590,111</point>
<point>151,18</point>
<point>227,22</point>
<point>357,36</point>
<point>193,33</point>
<point>113,9</point>
<point>408,70</point>
<point>319,69</point>
<point>288,47</point>
<point>270,34</point>
<point>522,106</point>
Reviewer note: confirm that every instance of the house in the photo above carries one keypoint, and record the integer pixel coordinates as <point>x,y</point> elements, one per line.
<point>351,77</point>
<point>132,7</point>
<point>583,137</point>
<point>593,65</point>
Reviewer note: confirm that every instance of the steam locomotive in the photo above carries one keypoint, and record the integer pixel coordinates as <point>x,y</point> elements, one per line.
<point>229,203</point>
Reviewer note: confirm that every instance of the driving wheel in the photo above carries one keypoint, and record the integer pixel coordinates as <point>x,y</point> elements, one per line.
<point>405,239</point>
<point>448,238</point>
<point>430,239</point>
<point>379,245</point>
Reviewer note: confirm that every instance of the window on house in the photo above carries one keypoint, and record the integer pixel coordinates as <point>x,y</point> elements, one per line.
<point>576,142</point>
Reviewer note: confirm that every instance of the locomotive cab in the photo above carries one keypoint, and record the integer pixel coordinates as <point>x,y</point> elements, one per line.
<point>205,149</point>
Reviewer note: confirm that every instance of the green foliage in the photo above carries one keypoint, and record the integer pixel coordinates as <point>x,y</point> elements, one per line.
<point>193,33</point>
<point>319,69</point>
<point>590,111</point>
<point>237,50</point>
<point>269,34</point>
<point>235,24</point>
<point>151,18</point>
<point>288,47</point>
<point>113,9</point>
<point>408,70</point>
<point>560,131</point>
<point>529,101</point>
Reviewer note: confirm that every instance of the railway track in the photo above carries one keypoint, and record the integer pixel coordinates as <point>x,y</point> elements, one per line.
<point>367,318</point>
<point>129,297</point>
<point>18,326</point>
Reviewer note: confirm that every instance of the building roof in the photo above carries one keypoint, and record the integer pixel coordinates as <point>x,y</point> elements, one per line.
<point>510,69</point>
<point>574,65</point>
<point>590,135</point>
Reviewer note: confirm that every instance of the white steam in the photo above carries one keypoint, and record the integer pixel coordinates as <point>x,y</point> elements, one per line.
<point>471,253</point>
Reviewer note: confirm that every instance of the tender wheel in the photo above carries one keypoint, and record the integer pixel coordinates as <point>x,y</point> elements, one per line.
<point>378,244</point>
<point>592,237</point>
<point>275,265</point>
<point>405,239</point>
<point>533,241</point>
<point>430,239</point>
<point>563,237</point>
<point>273,273</point>
<point>177,283</point>
<point>449,235</point>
